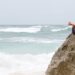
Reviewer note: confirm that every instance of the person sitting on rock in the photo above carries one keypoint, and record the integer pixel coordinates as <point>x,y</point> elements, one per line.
<point>73,27</point>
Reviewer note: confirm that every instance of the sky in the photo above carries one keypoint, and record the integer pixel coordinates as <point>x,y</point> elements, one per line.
<point>18,12</point>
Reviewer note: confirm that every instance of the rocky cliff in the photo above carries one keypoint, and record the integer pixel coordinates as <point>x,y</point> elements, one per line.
<point>63,61</point>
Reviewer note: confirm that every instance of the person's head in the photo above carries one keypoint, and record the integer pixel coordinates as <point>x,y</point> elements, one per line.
<point>69,23</point>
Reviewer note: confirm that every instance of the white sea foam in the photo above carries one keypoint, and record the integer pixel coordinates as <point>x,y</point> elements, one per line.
<point>32,29</point>
<point>31,40</point>
<point>24,64</point>
<point>62,29</point>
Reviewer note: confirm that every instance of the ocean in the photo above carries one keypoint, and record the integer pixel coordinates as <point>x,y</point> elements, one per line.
<point>28,49</point>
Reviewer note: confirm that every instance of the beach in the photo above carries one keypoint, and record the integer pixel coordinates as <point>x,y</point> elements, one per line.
<point>28,49</point>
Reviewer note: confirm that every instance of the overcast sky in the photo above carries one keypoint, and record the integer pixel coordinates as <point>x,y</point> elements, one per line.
<point>36,11</point>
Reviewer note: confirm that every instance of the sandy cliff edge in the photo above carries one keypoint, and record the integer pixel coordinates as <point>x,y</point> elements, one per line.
<point>63,61</point>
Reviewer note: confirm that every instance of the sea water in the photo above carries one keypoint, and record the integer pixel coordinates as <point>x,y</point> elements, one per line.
<point>28,49</point>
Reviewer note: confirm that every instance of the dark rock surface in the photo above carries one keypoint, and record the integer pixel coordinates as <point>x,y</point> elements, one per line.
<point>63,61</point>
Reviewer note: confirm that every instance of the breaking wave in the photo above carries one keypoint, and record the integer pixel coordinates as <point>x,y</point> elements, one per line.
<point>35,29</point>
<point>32,29</point>
<point>61,29</point>
<point>30,40</point>
<point>24,64</point>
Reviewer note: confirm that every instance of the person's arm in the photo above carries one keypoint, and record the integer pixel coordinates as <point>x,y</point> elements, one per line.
<point>72,24</point>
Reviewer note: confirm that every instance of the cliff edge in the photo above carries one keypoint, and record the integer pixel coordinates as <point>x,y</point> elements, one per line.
<point>63,61</point>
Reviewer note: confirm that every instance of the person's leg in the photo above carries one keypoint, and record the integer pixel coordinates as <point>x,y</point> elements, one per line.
<point>73,30</point>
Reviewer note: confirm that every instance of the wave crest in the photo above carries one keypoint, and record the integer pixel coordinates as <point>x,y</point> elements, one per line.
<point>62,29</point>
<point>26,64</point>
<point>30,40</point>
<point>33,29</point>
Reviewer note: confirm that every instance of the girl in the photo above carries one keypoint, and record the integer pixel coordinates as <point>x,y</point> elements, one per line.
<point>73,27</point>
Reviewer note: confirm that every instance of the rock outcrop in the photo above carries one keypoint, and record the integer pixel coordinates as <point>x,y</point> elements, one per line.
<point>63,61</point>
